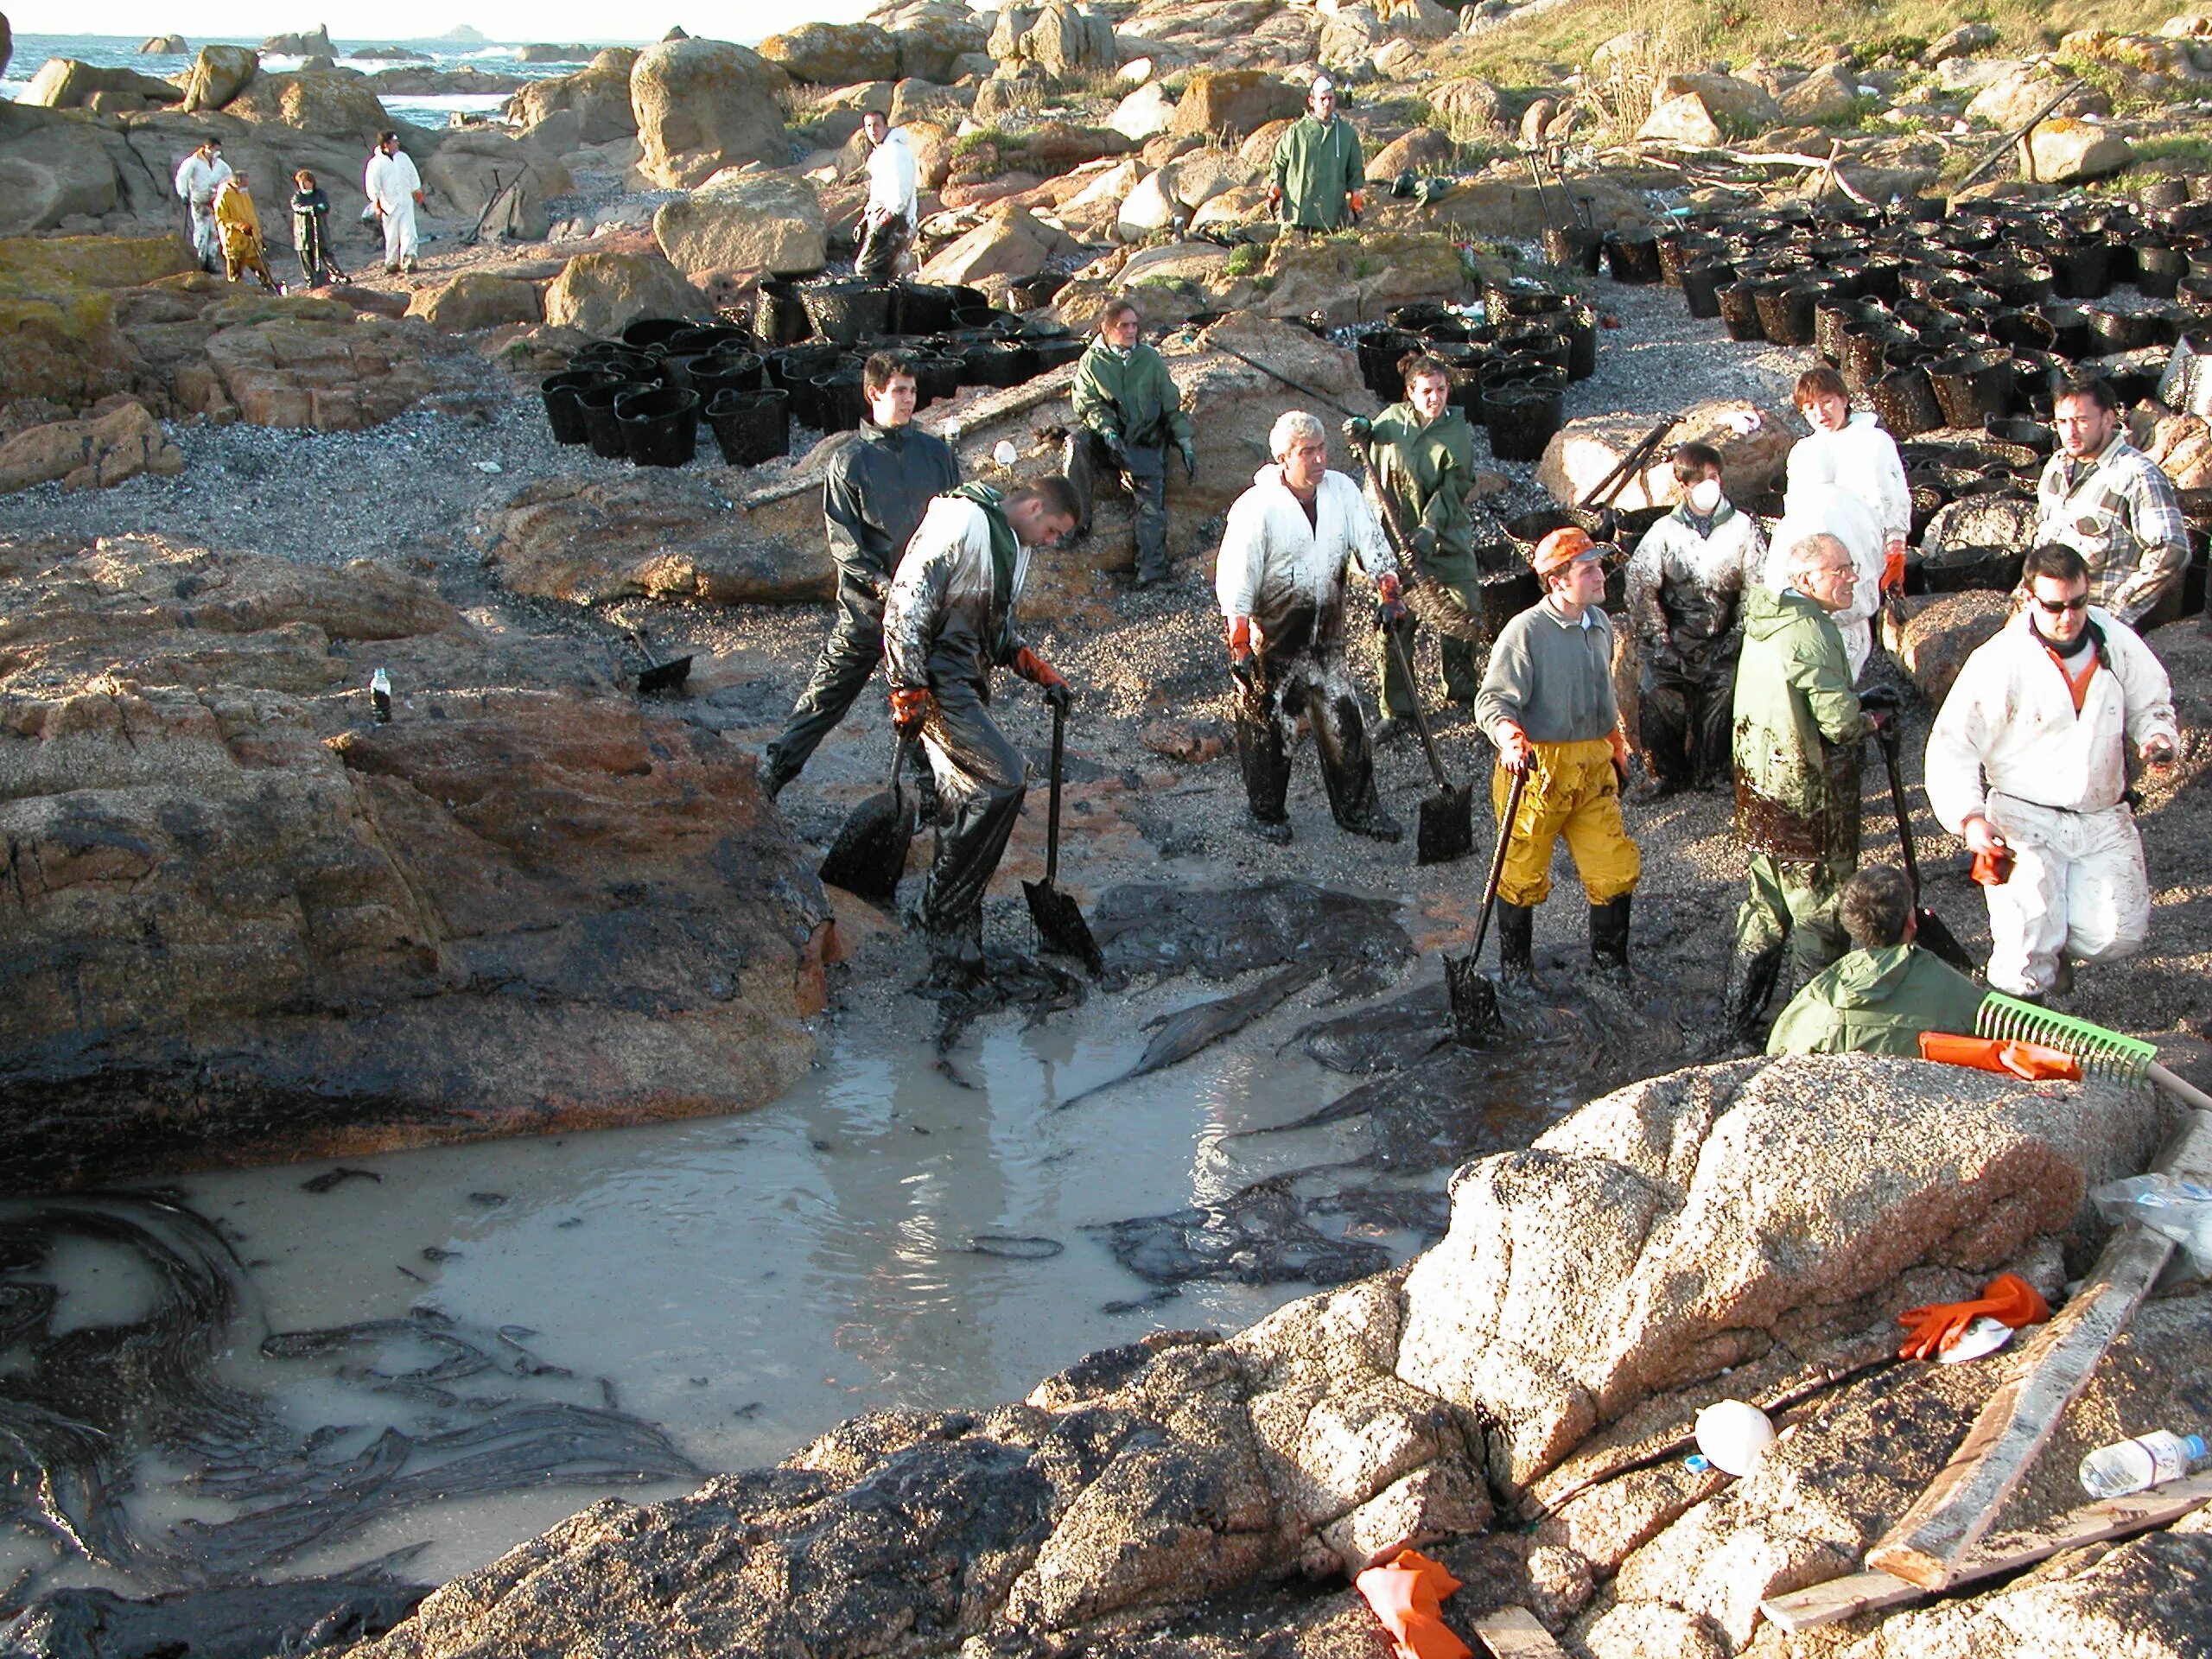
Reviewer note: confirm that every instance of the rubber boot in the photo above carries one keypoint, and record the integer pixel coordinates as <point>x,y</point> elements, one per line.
<point>1751,975</point>
<point>1516,929</point>
<point>1609,937</point>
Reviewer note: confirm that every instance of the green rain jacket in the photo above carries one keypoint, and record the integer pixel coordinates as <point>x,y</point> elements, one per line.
<point>1134,397</point>
<point>1428,471</point>
<point>1317,165</point>
<point>1877,1001</point>
<point>1798,727</point>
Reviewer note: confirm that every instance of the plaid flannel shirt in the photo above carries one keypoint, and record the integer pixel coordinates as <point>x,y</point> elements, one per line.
<point>2120,512</point>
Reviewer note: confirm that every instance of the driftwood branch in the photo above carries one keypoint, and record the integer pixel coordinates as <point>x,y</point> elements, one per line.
<point>2004,145</point>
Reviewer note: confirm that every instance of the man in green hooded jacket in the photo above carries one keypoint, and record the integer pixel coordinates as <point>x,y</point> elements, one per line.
<point>1799,725</point>
<point>1128,410</point>
<point>1317,180</point>
<point>1878,999</point>
<point>1420,456</point>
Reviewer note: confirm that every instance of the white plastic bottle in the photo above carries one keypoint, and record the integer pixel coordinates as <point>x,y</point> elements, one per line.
<point>2134,1466</point>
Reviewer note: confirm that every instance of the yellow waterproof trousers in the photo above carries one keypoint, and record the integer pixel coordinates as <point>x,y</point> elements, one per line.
<point>1572,791</point>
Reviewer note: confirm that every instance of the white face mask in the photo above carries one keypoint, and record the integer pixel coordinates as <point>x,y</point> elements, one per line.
<point>1705,495</point>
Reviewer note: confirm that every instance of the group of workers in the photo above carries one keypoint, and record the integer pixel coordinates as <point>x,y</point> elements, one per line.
<point>226,221</point>
<point>1750,660</point>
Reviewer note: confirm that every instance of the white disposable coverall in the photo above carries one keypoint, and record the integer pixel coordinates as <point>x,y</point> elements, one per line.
<point>2008,743</point>
<point>1830,509</point>
<point>197,178</point>
<point>390,182</point>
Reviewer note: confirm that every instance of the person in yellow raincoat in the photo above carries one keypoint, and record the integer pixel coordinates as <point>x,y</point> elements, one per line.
<point>237,222</point>
<point>1547,703</point>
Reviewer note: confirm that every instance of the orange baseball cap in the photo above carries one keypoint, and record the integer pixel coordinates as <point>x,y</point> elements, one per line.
<point>1563,547</point>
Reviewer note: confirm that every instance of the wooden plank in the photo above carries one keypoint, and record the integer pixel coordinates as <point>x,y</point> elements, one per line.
<point>1515,1633</point>
<point>2114,1518</point>
<point>1941,1529</point>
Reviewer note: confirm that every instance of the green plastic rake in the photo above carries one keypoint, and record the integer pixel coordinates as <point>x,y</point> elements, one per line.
<point>2103,1053</point>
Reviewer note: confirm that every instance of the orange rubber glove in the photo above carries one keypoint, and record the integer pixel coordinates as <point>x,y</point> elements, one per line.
<point>1357,201</point>
<point>2031,1061</point>
<point>1243,662</point>
<point>1894,568</point>
<point>1407,1595</point>
<point>1392,593</point>
<point>1936,1328</point>
<point>1042,675</point>
<point>909,709</point>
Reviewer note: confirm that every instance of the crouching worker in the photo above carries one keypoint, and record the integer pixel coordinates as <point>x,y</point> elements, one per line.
<point>238,221</point>
<point>948,621</point>
<point>1547,703</point>
<point>1878,999</point>
<point>1280,581</point>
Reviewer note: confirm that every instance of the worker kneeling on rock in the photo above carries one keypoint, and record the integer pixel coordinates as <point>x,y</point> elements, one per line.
<point>2028,761</point>
<point>1880,997</point>
<point>948,621</point>
<point>1128,410</point>
<point>1546,702</point>
<point>1280,581</point>
<point>1420,456</point>
<point>1799,727</point>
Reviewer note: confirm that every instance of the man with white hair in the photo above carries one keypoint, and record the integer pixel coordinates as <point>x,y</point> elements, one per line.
<point>199,176</point>
<point>1280,581</point>
<point>395,190</point>
<point>1317,180</point>
<point>1798,730</point>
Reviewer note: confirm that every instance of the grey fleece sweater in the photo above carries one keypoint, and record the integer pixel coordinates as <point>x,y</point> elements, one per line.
<point>1554,679</point>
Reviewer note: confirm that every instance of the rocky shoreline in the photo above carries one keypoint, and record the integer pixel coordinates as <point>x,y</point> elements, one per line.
<point>254,920</point>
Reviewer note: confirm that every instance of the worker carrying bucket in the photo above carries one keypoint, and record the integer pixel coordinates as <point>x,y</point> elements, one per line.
<point>1547,703</point>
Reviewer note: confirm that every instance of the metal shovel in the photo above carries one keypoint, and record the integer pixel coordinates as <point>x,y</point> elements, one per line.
<point>1475,1019</point>
<point>1447,830</point>
<point>870,854</point>
<point>1060,920</point>
<point>1928,929</point>
<point>657,677</point>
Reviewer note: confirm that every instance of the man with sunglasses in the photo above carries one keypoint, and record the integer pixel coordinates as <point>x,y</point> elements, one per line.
<point>2112,504</point>
<point>2028,762</point>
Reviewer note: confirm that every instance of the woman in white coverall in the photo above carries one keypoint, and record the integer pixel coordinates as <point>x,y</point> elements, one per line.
<point>2029,755</point>
<point>395,190</point>
<point>1849,453</point>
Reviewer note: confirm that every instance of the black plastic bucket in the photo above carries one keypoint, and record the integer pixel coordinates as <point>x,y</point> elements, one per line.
<point>1632,256</point>
<point>709,337</point>
<point>2024,330</point>
<point>1522,418</point>
<point>660,428</point>
<point>920,308</point>
<point>655,331</point>
<point>2119,331</point>
<point>1739,310</point>
<point>839,401</point>
<point>2081,269</point>
<point>1973,387</point>
<point>2159,271</point>
<point>1786,312</point>
<point>848,313</point>
<point>935,376</point>
<point>2070,324</point>
<point>750,426</point>
<point>797,366</point>
<point>727,371</point>
<point>778,316</point>
<point>1701,283</point>
<point>607,356</point>
<point>1573,247</point>
<point>1906,402</point>
<point>1579,325</point>
<point>602,430</point>
<point>562,412</point>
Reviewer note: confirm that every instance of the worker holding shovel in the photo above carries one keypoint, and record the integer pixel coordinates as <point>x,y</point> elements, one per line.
<point>1546,702</point>
<point>1422,455</point>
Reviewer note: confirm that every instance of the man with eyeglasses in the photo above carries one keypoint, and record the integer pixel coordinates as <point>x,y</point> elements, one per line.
<point>1798,727</point>
<point>2112,504</point>
<point>2028,762</point>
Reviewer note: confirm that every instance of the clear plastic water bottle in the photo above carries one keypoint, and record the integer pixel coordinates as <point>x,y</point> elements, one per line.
<point>2138,1464</point>
<point>380,696</point>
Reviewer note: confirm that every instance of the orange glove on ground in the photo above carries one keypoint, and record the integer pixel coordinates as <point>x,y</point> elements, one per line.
<point>2008,1299</point>
<point>908,710</point>
<point>1407,1596</point>
<point>2032,1061</point>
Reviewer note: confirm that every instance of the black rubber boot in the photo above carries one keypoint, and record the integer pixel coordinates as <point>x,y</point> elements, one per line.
<point>1752,977</point>
<point>1516,928</point>
<point>1609,937</point>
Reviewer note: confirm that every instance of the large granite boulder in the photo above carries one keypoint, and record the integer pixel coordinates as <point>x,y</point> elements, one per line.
<point>327,103</point>
<point>90,455</point>
<point>1940,633</point>
<point>52,167</point>
<point>2063,151</point>
<point>1695,1221</point>
<point>1232,103</point>
<point>748,220</point>
<point>934,36</point>
<point>249,923</point>
<point>328,376</point>
<point>703,105</point>
<point>1070,40</point>
<point>834,54</point>
<point>220,74</point>
<point>660,535</point>
<point>1754,444</point>
<point>307,43</point>
<point>474,165</point>
<point>1357,279</point>
<point>59,341</point>
<point>67,84</point>
<point>604,293</point>
<point>599,94</point>
<point>475,300</point>
<point>1011,242</point>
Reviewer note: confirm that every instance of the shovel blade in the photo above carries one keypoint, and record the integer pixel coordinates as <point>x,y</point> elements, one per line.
<point>870,854</point>
<point>1931,934</point>
<point>1446,828</point>
<point>1476,1022</point>
<point>664,677</point>
<point>1060,925</point>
